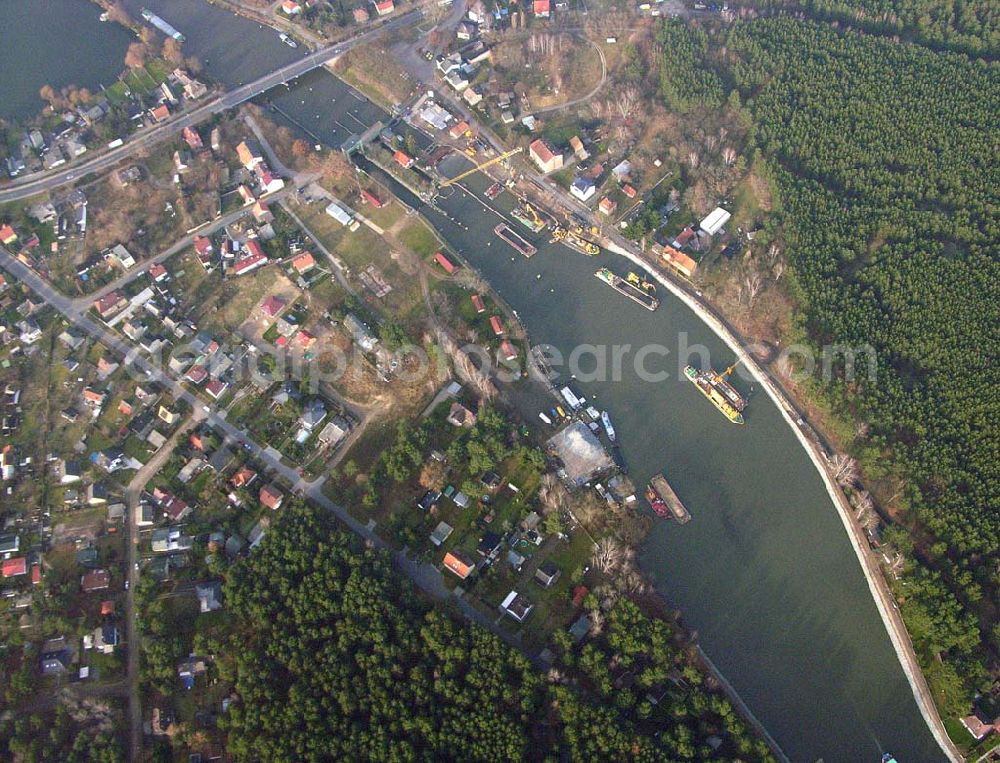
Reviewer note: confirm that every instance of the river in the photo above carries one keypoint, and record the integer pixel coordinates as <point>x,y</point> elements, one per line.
<point>764,572</point>
<point>64,45</point>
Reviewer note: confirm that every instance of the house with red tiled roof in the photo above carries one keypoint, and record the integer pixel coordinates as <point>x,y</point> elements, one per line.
<point>477,302</point>
<point>160,113</point>
<point>679,261</point>
<point>203,245</point>
<point>172,506</point>
<point>273,305</point>
<point>459,563</point>
<point>216,388</point>
<point>36,574</point>
<point>542,8</point>
<point>443,261</point>
<point>607,206</point>
<point>196,374</point>
<point>7,235</point>
<point>111,303</point>
<point>157,272</point>
<point>15,567</point>
<point>496,325</point>
<point>544,156</point>
<point>271,496</point>
<point>384,7</point>
<point>261,213</point>
<point>243,477</point>
<point>192,138</point>
<point>403,159</point>
<point>507,350</point>
<point>304,263</point>
<point>249,154</point>
<point>371,198</point>
<point>305,339</point>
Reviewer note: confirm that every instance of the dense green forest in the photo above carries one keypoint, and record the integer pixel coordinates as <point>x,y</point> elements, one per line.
<point>338,660</point>
<point>885,156</point>
<point>55,736</point>
<point>972,26</point>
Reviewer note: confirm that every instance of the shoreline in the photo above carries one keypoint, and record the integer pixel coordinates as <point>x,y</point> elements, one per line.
<point>884,602</point>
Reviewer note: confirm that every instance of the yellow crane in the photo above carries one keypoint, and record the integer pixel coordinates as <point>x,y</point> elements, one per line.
<point>480,167</point>
<point>535,218</point>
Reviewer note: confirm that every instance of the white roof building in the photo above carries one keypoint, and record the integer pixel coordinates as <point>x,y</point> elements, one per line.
<point>714,222</point>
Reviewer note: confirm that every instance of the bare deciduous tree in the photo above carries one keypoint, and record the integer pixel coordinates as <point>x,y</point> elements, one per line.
<point>608,554</point>
<point>845,468</point>
<point>729,155</point>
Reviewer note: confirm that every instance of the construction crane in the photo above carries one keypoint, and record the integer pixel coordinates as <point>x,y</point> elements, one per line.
<point>480,167</point>
<point>535,218</point>
<point>728,371</point>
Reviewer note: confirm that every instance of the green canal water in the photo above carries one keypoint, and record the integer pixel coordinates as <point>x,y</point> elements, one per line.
<point>764,572</point>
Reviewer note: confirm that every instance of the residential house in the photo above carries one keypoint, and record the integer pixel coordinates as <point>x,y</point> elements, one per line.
<point>981,723</point>
<point>489,544</point>
<point>243,477</point>
<point>8,237</point>
<point>106,637</point>
<point>362,335</point>
<point>477,302</point>
<point>291,7</point>
<point>192,138</point>
<point>403,159</point>
<point>517,606</point>
<point>304,263</point>
<point>679,261</point>
<point>583,187</point>
<point>209,596</point>
<point>460,416</point>
<point>271,496</point>
<point>441,259</point>
<point>216,388</point>
<point>472,96</point>
<point>15,567</point>
<point>173,507</point>
<point>97,580</point>
<point>334,431</point>
<point>543,155</point>
<point>110,304</point>
<point>313,414</point>
<point>547,573</point>
<point>170,539</point>
<point>577,145</point>
<point>622,171</point>
<point>459,563</point>
<point>441,533</point>
<point>160,114</point>
<point>384,7</point>
<point>542,8</point>
<point>273,306</point>
<point>683,238</point>
<point>607,206</point>
<point>249,153</point>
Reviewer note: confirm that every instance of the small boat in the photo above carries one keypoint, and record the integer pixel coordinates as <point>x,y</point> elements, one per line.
<point>608,429</point>
<point>288,40</point>
<point>494,190</point>
<point>888,758</point>
<point>544,418</point>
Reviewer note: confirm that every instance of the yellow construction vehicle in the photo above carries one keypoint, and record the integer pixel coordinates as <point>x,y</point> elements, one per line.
<point>479,167</point>
<point>641,282</point>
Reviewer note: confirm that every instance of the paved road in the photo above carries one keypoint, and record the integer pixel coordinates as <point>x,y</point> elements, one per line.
<point>133,494</point>
<point>36,183</point>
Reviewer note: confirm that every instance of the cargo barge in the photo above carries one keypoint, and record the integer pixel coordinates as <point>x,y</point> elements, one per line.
<point>509,235</point>
<point>723,395</point>
<point>630,290</point>
<point>664,501</point>
<point>162,25</point>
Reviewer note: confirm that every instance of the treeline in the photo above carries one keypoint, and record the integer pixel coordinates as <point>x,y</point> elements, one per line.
<point>684,81</point>
<point>970,26</point>
<point>885,156</point>
<point>56,736</point>
<point>338,660</point>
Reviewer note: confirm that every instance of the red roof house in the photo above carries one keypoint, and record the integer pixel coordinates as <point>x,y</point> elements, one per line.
<point>271,496</point>
<point>15,567</point>
<point>403,159</point>
<point>496,325</point>
<point>448,265</point>
<point>477,302</point>
<point>542,8</point>
<point>273,305</point>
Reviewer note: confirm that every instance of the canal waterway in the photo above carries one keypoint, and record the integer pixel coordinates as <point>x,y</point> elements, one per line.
<point>764,572</point>
<point>58,43</point>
